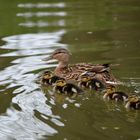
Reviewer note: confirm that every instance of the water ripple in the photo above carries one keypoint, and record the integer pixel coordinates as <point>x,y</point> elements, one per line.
<point>34,106</point>
<point>33,41</point>
<point>41,14</point>
<point>41,23</point>
<point>41,5</point>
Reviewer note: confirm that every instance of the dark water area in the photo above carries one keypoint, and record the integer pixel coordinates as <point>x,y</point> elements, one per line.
<point>94,31</point>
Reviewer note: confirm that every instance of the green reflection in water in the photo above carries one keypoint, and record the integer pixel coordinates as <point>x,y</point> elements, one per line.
<point>95,31</point>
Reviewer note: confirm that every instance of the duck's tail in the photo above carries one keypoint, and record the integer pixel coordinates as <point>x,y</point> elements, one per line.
<point>106,65</point>
<point>110,65</point>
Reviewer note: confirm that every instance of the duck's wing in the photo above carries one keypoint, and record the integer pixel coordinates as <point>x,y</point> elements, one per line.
<point>71,73</point>
<point>93,68</point>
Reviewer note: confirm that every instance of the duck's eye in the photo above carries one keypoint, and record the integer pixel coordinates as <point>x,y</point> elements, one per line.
<point>47,72</point>
<point>60,52</point>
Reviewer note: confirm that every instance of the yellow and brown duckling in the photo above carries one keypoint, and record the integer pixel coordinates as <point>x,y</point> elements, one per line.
<point>88,80</point>
<point>48,78</point>
<point>61,86</point>
<point>72,72</point>
<point>133,102</point>
<point>112,94</point>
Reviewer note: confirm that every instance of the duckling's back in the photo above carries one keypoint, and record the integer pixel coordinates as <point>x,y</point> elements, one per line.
<point>71,88</point>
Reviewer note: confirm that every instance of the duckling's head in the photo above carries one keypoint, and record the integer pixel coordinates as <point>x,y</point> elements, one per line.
<point>60,54</point>
<point>47,75</point>
<point>85,77</point>
<point>60,83</point>
<point>110,89</point>
<point>133,98</point>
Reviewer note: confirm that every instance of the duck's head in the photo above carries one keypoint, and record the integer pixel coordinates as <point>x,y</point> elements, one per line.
<point>110,89</point>
<point>60,54</point>
<point>47,75</point>
<point>60,83</point>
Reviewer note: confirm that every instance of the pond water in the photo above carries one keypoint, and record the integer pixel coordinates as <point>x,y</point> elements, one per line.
<point>94,31</point>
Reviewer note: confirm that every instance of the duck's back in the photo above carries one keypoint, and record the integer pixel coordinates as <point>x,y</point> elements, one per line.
<point>73,72</point>
<point>92,68</point>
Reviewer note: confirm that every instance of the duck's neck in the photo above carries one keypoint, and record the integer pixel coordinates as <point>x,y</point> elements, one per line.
<point>61,66</point>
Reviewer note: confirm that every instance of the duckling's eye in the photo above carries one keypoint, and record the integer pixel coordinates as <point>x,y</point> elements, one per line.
<point>60,83</point>
<point>85,78</point>
<point>47,76</point>
<point>109,90</point>
<point>112,89</point>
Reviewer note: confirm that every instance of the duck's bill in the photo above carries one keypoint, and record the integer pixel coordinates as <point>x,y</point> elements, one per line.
<point>47,58</point>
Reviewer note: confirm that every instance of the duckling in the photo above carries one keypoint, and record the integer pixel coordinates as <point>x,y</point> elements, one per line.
<point>49,79</point>
<point>73,72</point>
<point>84,78</point>
<point>112,94</point>
<point>88,80</point>
<point>133,102</point>
<point>62,86</point>
<point>46,76</point>
<point>95,84</point>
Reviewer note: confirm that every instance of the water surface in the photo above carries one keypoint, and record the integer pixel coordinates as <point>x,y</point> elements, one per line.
<point>95,32</point>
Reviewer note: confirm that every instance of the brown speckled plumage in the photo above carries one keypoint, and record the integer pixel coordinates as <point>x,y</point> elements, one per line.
<point>73,72</point>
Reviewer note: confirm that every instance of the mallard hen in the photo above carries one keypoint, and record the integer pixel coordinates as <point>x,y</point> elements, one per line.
<point>72,72</point>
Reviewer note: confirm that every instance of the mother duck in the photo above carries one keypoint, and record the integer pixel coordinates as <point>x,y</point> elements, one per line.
<point>73,72</point>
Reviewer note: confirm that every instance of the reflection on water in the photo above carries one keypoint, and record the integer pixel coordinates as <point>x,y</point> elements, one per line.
<point>28,106</point>
<point>42,24</point>
<point>40,14</point>
<point>41,5</point>
<point>98,32</point>
<point>19,77</point>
